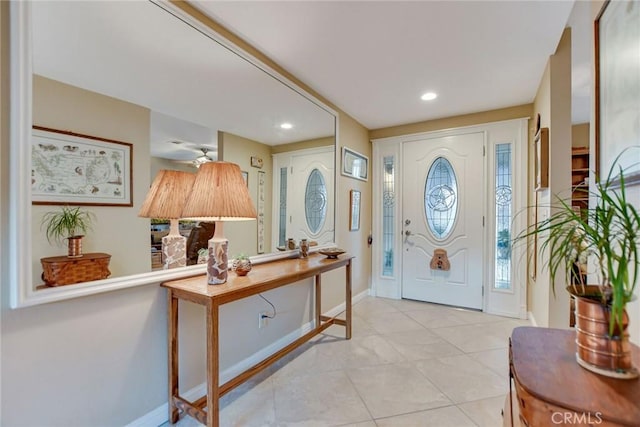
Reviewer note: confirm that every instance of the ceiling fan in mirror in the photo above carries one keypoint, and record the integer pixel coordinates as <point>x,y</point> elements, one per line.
<point>185,153</point>
<point>204,158</point>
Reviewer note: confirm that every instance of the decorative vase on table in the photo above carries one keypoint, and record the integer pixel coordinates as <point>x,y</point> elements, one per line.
<point>304,248</point>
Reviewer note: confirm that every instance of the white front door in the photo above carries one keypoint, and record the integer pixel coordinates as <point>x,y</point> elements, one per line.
<point>443,189</point>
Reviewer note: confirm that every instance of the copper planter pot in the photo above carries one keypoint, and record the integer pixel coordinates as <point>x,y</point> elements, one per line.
<point>596,350</point>
<point>74,246</point>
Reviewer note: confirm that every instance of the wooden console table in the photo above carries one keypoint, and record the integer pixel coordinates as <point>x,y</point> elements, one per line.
<point>262,278</point>
<point>552,389</point>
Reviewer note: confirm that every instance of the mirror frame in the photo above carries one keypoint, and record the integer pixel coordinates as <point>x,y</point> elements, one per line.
<point>22,293</point>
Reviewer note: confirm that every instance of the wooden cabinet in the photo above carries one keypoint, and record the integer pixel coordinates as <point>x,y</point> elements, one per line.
<point>552,389</point>
<point>580,177</point>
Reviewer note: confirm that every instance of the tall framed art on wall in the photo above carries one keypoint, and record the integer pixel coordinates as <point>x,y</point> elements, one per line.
<point>617,58</point>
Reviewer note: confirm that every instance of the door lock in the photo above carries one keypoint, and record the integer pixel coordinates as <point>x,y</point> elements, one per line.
<point>407,221</point>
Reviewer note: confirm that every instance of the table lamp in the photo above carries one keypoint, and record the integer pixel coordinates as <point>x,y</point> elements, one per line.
<point>219,194</point>
<point>165,200</point>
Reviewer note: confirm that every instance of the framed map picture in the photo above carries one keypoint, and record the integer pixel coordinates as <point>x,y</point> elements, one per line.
<point>73,169</point>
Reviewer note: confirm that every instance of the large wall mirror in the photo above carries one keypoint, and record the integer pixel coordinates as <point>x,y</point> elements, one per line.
<point>149,74</point>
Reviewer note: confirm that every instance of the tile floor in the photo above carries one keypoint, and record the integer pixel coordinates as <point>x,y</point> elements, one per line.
<point>408,364</point>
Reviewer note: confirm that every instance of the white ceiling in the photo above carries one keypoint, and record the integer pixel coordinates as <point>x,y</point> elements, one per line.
<point>371,59</point>
<point>137,52</point>
<point>374,59</point>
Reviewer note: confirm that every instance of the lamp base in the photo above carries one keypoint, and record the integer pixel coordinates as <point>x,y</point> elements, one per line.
<point>217,262</point>
<point>174,251</point>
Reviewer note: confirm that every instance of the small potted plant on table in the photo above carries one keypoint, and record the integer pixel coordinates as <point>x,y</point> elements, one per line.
<point>241,265</point>
<point>68,224</point>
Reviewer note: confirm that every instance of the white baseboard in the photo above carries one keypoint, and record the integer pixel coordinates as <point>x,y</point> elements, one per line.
<point>159,415</point>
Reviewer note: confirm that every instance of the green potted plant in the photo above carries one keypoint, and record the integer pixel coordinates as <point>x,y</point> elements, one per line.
<point>68,224</point>
<point>608,234</point>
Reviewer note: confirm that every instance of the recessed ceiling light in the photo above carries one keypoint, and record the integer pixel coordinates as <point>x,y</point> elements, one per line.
<point>286,126</point>
<point>429,96</point>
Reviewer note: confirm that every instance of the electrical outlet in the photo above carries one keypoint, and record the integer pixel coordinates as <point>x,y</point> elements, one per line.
<point>262,319</point>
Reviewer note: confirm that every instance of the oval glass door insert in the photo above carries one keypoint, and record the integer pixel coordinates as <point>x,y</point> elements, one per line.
<point>315,201</point>
<point>441,198</point>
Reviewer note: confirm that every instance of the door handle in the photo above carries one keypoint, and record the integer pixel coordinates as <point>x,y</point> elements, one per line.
<point>407,233</point>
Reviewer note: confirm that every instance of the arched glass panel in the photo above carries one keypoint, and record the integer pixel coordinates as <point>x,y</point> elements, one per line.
<point>441,198</point>
<point>315,201</point>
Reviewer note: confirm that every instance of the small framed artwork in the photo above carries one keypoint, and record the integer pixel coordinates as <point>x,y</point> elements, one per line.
<point>541,158</point>
<point>261,205</point>
<point>354,212</point>
<point>354,164</point>
<point>256,162</point>
<point>73,169</point>
<point>245,176</point>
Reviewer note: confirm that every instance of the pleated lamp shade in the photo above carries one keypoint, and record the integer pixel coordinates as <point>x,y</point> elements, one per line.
<point>219,193</point>
<point>167,195</point>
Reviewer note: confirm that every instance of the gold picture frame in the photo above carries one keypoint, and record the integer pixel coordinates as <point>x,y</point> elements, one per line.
<point>354,164</point>
<point>541,158</point>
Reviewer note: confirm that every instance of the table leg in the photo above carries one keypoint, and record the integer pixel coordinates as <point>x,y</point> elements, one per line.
<point>318,301</point>
<point>172,304</point>
<point>348,300</point>
<point>213,368</point>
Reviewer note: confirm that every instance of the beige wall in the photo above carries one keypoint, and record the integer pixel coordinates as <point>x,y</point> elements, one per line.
<point>580,135</point>
<point>538,292</point>
<point>158,164</point>
<point>101,360</point>
<point>243,236</point>
<point>516,112</point>
<point>353,135</point>
<point>553,103</point>
<point>303,145</point>
<point>63,107</point>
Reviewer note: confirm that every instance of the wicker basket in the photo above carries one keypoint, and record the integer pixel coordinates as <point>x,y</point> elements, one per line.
<point>58,271</point>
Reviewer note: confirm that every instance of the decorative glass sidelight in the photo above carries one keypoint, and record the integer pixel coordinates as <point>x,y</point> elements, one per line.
<point>441,198</point>
<point>282,217</point>
<point>315,201</point>
<point>388,214</point>
<point>503,193</point>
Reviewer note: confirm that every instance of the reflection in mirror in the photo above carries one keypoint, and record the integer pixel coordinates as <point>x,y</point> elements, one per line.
<point>136,73</point>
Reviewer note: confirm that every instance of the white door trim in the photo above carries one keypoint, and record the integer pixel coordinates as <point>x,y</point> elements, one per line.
<point>510,303</point>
